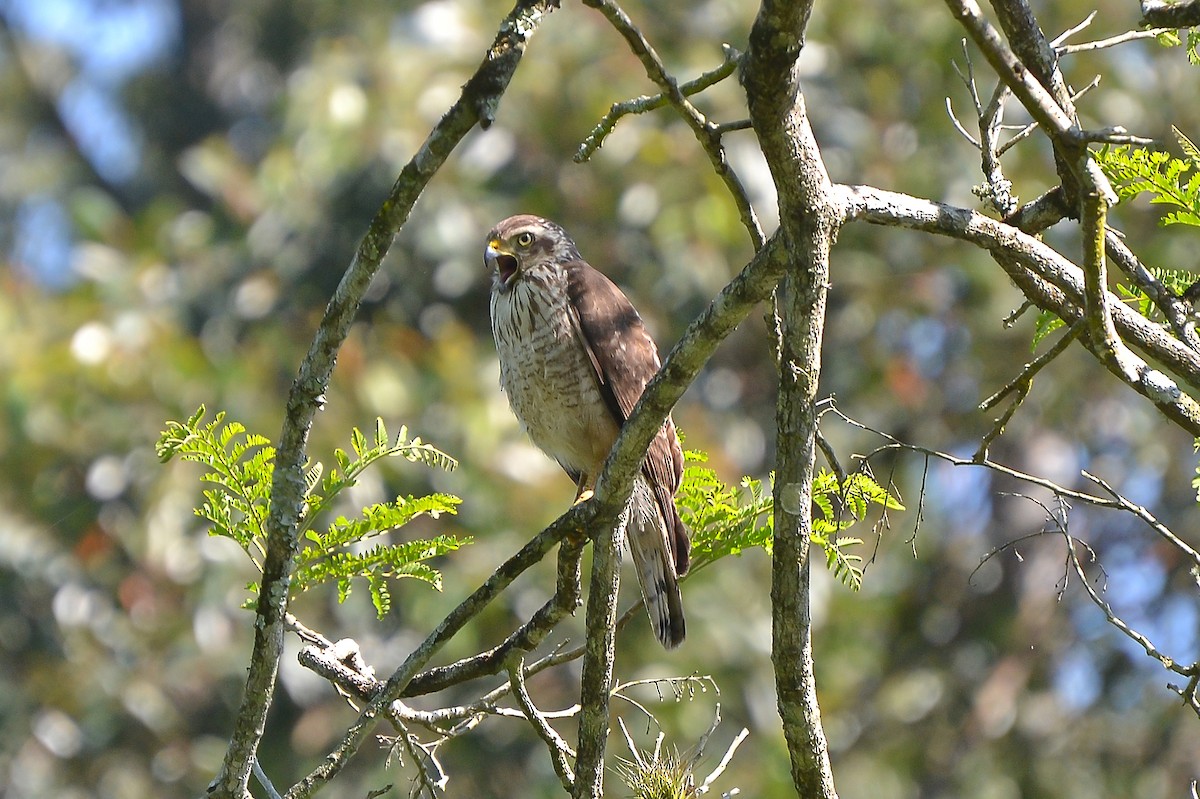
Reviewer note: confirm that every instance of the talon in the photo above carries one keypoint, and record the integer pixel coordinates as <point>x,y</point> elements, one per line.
<point>584,495</point>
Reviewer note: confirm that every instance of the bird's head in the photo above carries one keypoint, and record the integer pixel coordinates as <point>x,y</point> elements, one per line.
<point>523,243</point>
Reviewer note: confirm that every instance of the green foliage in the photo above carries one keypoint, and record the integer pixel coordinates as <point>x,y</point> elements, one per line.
<point>725,520</point>
<point>841,507</point>
<point>1177,280</point>
<point>1047,323</point>
<point>1169,181</point>
<point>1172,39</point>
<point>240,467</point>
<point>1139,170</point>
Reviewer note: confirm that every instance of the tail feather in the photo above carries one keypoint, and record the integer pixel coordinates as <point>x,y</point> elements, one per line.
<point>655,560</point>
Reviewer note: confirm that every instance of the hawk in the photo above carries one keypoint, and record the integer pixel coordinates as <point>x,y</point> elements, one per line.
<point>574,359</point>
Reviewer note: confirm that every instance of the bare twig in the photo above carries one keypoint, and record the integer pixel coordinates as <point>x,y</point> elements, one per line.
<point>958,125</point>
<point>1116,621</point>
<point>1114,134</point>
<point>705,786</point>
<point>559,750</point>
<point>640,105</point>
<point>1191,697</point>
<point>706,132</point>
<point>1066,49</point>
<point>1074,29</point>
<point>727,127</point>
<point>1151,522</point>
<point>1028,130</point>
<point>1021,385</point>
<point>1112,41</point>
<point>264,780</point>
<point>431,779</point>
<point>1031,369</point>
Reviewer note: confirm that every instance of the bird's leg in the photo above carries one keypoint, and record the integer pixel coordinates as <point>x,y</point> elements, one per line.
<point>583,491</point>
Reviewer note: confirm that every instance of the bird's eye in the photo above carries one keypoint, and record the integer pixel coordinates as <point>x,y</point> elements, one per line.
<point>525,239</point>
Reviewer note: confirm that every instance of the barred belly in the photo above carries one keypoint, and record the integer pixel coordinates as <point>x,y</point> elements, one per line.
<point>548,377</point>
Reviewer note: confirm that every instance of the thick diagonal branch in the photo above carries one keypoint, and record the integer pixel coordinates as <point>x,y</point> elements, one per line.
<point>1053,283</point>
<point>1171,14</point>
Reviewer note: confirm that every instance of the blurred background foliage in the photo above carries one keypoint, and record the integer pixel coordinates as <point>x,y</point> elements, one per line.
<point>184,182</point>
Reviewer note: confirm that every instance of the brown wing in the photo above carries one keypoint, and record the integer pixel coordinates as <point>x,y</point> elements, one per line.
<point>625,358</point>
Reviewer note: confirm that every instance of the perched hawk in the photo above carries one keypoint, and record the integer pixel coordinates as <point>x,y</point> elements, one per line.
<point>574,359</point>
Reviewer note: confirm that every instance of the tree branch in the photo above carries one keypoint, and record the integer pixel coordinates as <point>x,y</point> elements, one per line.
<point>575,521</point>
<point>1116,621</point>
<point>559,751</point>
<point>1053,283</point>
<point>1020,386</point>
<point>1175,14</point>
<point>640,105</point>
<point>525,639</point>
<point>598,658</point>
<point>706,132</point>
<point>810,213</point>
<point>1176,310</point>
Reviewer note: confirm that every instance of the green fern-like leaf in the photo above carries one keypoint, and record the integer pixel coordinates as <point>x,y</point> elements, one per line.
<point>724,520</point>
<point>1171,38</point>
<point>1138,170</point>
<point>727,520</point>
<point>376,565</point>
<point>347,469</point>
<point>1047,323</point>
<point>240,466</point>
<point>841,507</point>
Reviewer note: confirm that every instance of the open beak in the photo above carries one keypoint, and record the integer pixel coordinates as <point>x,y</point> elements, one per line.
<point>498,259</point>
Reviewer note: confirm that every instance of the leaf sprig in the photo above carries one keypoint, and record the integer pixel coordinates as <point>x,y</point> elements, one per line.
<point>1139,170</point>
<point>843,506</point>
<point>240,466</point>
<point>1170,181</point>
<point>726,520</point>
